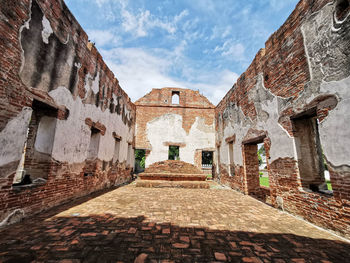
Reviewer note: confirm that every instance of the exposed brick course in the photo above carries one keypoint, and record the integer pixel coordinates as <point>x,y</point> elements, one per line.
<point>173,166</point>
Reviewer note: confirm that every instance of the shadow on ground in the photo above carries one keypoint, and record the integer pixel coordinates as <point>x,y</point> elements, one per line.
<point>109,238</point>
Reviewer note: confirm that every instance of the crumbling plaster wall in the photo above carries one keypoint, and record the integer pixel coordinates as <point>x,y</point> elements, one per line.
<point>72,136</point>
<point>189,124</point>
<point>13,136</point>
<point>327,43</point>
<point>310,54</point>
<point>168,128</point>
<point>49,66</point>
<point>267,105</point>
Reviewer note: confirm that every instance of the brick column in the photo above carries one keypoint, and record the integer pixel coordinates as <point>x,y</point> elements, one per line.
<point>251,169</point>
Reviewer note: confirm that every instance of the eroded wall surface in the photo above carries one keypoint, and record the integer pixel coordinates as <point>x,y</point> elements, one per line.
<point>188,124</point>
<point>56,93</point>
<point>302,71</point>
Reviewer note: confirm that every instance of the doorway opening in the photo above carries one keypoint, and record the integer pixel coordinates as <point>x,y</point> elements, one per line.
<point>174,152</point>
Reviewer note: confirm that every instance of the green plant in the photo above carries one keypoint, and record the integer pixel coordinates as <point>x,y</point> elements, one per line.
<point>174,153</point>
<point>264,181</point>
<point>261,152</point>
<point>325,163</point>
<point>140,157</point>
<point>329,185</point>
<point>143,161</point>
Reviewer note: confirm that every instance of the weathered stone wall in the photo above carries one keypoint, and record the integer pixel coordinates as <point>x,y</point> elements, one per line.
<point>302,74</point>
<point>188,124</point>
<point>55,86</point>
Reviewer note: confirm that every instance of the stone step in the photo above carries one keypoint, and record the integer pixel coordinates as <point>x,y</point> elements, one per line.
<point>172,184</point>
<point>172,176</point>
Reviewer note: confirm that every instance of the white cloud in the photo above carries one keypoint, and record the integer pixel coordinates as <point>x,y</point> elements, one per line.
<point>141,22</point>
<point>192,30</point>
<point>215,89</point>
<point>100,3</point>
<point>180,16</point>
<point>178,51</point>
<point>220,32</point>
<point>103,37</point>
<point>107,8</point>
<point>231,50</point>
<point>139,71</point>
<point>278,4</point>
<point>207,6</point>
<point>103,3</point>
<point>236,50</point>
<point>226,32</point>
<point>138,22</point>
<point>135,23</point>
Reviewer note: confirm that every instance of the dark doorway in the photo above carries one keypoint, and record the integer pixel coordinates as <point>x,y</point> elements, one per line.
<point>140,159</point>
<point>207,159</point>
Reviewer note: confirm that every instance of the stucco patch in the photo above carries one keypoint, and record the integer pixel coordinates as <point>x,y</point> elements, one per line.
<point>72,137</point>
<point>168,127</point>
<point>13,136</point>
<point>47,30</point>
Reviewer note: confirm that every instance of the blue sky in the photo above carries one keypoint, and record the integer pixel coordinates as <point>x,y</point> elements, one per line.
<point>198,44</point>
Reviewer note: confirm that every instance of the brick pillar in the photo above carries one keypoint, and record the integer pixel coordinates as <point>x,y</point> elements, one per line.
<point>251,169</point>
<point>198,159</point>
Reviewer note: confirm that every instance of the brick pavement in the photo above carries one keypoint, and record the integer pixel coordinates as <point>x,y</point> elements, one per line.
<point>132,224</point>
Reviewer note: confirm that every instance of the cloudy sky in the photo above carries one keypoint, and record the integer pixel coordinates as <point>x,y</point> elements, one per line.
<point>198,44</point>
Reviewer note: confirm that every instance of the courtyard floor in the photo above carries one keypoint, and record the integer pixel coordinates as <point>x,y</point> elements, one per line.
<point>133,224</point>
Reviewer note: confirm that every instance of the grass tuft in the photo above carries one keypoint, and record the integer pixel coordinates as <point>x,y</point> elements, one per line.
<point>264,181</point>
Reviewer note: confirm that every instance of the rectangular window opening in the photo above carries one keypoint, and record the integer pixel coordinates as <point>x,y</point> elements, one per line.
<point>219,160</point>
<point>35,162</point>
<point>313,169</point>
<point>116,150</point>
<point>207,159</point>
<point>129,158</point>
<point>94,143</point>
<point>263,173</point>
<point>174,153</point>
<point>140,159</point>
<point>230,152</point>
<point>175,97</point>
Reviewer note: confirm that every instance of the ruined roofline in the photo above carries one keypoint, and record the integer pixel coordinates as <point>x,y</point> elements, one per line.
<point>175,106</point>
<point>92,48</point>
<point>269,42</point>
<point>210,105</point>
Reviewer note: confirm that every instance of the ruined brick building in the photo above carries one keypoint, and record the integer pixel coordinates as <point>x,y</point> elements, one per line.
<point>60,106</point>
<point>175,117</point>
<point>66,122</point>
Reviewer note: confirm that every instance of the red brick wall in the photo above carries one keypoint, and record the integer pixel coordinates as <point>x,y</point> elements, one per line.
<point>158,102</point>
<point>64,181</point>
<point>285,72</point>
